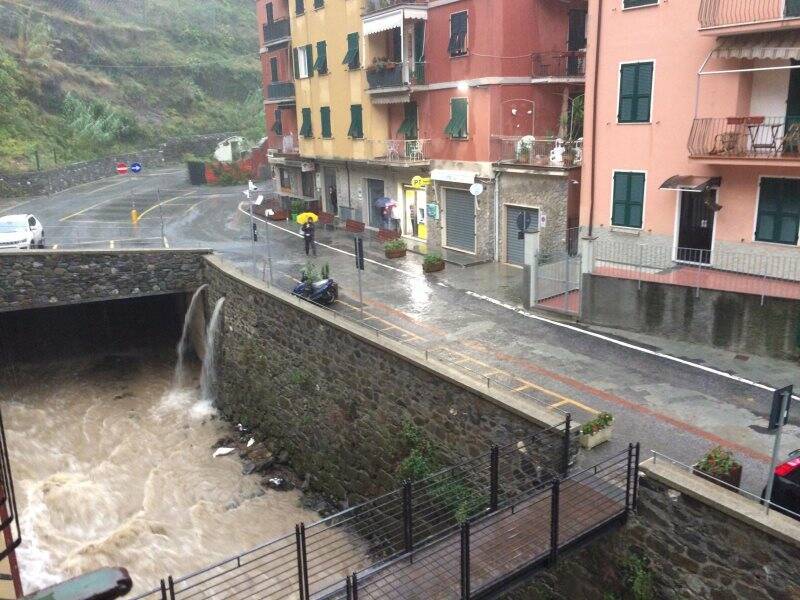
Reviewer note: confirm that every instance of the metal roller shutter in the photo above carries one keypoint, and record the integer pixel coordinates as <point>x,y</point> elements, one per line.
<point>514,246</point>
<point>460,219</point>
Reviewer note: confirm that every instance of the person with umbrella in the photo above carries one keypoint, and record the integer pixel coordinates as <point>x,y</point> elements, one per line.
<point>385,204</point>
<point>307,219</point>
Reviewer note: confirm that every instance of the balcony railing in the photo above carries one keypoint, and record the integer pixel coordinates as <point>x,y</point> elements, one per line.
<point>745,137</point>
<point>542,152</point>
<point>277,30</point>
<point>722,13</point>
<point>372,6</point>
<point>278,90</point>
<point>559,65</point>
<point>399,151</point>
<point>395,74</point>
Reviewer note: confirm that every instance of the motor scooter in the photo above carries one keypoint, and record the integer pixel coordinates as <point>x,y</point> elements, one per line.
<point>325,291</point>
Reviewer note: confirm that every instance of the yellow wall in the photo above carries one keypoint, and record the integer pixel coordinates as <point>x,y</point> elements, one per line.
<point>338,89</point>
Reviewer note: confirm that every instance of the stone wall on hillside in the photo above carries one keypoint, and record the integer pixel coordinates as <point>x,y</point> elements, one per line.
<point>339,401</point>
<point>38,278</point>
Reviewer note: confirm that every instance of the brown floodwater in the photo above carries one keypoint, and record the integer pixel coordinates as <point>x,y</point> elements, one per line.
<point>112,468</point>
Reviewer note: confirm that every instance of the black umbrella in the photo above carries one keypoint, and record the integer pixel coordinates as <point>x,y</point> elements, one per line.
<point>383,202</point>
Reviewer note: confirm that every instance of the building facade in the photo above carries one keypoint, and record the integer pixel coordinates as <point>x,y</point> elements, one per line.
<point>692,132</point>
<point>453,92</point>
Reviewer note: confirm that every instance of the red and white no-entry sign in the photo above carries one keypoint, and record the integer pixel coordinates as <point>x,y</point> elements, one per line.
<point>122,168</point>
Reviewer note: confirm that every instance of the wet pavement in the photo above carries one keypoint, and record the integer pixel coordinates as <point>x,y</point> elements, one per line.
<point>673,397</point>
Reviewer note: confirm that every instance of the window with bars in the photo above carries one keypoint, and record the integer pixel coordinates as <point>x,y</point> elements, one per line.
<point>458,34</point>
<point>635,92</point>
<point>778,217</point>
<point>321,66</point>
<point>306,129</point>
<point>325,117</point>
<point>457,126</point>
<point>352,59</point>
<point>628,199</point>
<point>356,126</point>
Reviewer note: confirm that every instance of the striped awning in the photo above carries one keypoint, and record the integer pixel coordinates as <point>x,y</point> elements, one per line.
<point>774,46</point>
<point>394,98</point>
<point>385,21</point>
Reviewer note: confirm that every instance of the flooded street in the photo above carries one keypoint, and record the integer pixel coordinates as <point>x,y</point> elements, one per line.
<point>113,469</point>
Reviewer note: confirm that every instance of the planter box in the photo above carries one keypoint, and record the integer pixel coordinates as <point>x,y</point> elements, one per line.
<point>399,253</point>
<point>432,268</point>
<point>279,215</point>
<point>589,441</point>
<point>733,478</point>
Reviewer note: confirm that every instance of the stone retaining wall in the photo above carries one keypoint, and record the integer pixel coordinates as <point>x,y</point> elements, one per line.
<point>337,399</point>
<point>38,278</point>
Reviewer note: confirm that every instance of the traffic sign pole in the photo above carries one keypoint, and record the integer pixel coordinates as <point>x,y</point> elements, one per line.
<point>785,395</point>
<point>360,267</point>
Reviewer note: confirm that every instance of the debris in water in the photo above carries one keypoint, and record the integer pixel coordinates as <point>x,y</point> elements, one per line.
<point>223,451</point>
<point>279,483</point>
<point>251,442</point>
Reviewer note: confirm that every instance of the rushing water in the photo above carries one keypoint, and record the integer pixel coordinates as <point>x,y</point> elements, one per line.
<point>114,469</point>
<point>208,373</point>
<point>183,344</point>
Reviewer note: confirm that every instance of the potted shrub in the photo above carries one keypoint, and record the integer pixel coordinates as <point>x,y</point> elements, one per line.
<point>395,248</point>
<point>719,465</point>
<point>432,263</point>
<point>297,208</point>
<point>597,431</point>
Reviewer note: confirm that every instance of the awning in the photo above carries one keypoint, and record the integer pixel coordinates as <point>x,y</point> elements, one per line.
<point>453,175</point>
<point>387,21</point>
<point>774,46</point>
<point>691,183</point>
<point>393,98</point>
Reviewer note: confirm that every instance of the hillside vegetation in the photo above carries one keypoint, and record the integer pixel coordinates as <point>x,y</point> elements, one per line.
<point>83,78</point>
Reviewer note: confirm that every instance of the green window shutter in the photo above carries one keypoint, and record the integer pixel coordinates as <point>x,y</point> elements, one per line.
<point>409,126</point>
<point>277,126</point>
<point>321,65</point>
<point>628,199</point>
<point>778,217</point>
<point>295,63</point>
<point>299,7</point>
<point>635,90</point>
<point>356,127</point>
<point>306,130</point>
<point>325,117</point>
<point>351,59</point>
<point>310,60</point>
<point>457,126</point>
<point>319,3</point>
<point>419,52</point>
<point>273,68</point>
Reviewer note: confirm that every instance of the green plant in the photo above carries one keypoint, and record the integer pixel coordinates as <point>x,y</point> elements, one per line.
<point>311,273</point>
<point>718,461</point>
<point>301,379</point>
<point>325,272</point>
<point>600,422</point>
<point>432,258</point>
<point>297,206</point>
<point>398,244</point>
<point>638,577</point>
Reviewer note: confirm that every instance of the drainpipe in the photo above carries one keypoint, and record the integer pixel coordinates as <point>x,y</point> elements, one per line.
<point>497,216</point>
<point>349,197</point>
<point>594,116</point>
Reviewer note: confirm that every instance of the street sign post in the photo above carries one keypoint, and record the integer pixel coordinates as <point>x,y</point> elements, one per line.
<point>778,417</point>
<point>267,213</point>
<point>136,168</point>
<point>122,168</point>
<point>359,243</point>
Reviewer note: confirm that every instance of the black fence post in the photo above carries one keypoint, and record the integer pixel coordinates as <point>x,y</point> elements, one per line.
<point>355,586</point>
<point>299,549</point>
<point>163,590</point>
<point>305,559</point>
<point>628,480</point>
<point>408,525</point>
<point>567,444</point>
<point>635,501</point>
<point>171,588</point>
<point>494,477</point>
<point>554,504</point>
<point>465,593</point>
<point>349,588</point>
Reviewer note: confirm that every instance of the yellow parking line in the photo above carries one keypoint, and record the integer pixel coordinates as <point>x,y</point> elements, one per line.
<point>576,403</point>
<point>88,208</point>
<point>522,387</point>
<point>163,202</point>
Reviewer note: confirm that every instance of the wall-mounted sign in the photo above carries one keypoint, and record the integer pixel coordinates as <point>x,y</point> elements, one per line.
<point>542,220</point>
<point>433,210</point>
<point>307,167</point>
<point>419,182</point>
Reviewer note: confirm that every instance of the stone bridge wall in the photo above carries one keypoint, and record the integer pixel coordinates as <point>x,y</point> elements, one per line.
<point>39,278</point>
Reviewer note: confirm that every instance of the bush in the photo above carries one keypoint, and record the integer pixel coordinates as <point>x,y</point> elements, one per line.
<point>298,206</point>
<point>718,461</point>
<point>600,422</point>
<point>398,244</point>
<point>432,259</point>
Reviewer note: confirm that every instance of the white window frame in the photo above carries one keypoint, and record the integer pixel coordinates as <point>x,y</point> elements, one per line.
<point>302,63</point>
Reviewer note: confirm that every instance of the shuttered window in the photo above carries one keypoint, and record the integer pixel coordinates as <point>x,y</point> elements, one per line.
<point>778,211</point>
<point>295,63</point>
<point>319,3</point>
<point>458,34</point>
<point>321,66</point>
<point>628,199</point>
<point>356,127</point>
<point>409,126</point>
<point>325,117</point>
<point>306,130</point>
<point>299,7</point>
<point>351,59</point>
<point>303,62</point>
<point>277,126</point>
<point>457,126</point>
<point>273,69</point>
<point>635,90</point>
<point>635,3</point>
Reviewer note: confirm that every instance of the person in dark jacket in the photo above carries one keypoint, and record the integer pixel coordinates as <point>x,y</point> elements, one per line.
<point>308,236</point>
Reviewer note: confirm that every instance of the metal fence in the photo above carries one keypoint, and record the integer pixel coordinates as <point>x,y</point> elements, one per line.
<point>371,6</point>
<point>746,272</point>
<point>9,517</point>
<point>745,137</point>
<point>277,30</point>
<point>403,151</point>
<point>314,561</point>
<point>530,150</point>
<point>717,13</point>
<point>568,64</point>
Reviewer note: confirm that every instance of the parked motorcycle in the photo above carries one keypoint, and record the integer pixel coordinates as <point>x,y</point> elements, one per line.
<point>325,291</point>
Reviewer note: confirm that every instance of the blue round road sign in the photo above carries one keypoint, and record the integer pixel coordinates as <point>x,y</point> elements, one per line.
<point>136,167</point>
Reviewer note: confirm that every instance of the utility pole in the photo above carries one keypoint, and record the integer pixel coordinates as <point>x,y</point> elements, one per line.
<point>779,415</point>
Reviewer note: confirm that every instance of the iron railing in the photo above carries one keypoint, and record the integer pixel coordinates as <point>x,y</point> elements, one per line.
<point>277,30</point>
<point>372,6</point>
<point>278,90</point>
<point>720,13</point>
<point>559,65</point>
<point>754,272</point>
<point>745,137</point>
<point>386,75</point>
<point>398,151</point>
<point>9,517</point>
<point>315,559</point>
<point>530,150</point>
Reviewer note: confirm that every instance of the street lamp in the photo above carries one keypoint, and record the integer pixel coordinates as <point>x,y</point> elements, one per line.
<point>463,87</point>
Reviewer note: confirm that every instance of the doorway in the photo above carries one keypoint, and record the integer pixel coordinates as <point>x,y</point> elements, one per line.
<point>414,222</point>
<point>696,226</point>
<point>377,216</point>
<point>331,193</point>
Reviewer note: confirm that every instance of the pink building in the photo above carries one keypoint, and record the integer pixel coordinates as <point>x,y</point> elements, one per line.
<point>693,135</point>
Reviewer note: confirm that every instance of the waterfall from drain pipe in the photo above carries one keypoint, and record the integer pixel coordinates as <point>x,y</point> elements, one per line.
<point>208,372</point>
<point>183,345</point>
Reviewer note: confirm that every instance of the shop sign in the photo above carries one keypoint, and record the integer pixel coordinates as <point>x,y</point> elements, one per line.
<point>433,210</point>
<point>307,167</point>
<point>419,182</point>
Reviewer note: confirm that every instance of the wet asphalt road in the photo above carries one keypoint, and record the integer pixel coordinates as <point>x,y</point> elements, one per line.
<point>674,409</point>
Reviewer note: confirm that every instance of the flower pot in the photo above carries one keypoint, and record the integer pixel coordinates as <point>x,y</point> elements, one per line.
<point>590,440</point>
<point>396,253</point>
<point>732,478</point>
<point>278,215</point>
<point>433,267</point>
<point>294,216</point>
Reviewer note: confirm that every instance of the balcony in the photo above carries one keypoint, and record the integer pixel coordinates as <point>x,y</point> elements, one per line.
<point>559,67</point>
<point>750,140</point>
<point>536,152</point>
<point>398,152</point>
<point>375,6</point>
<point>276,32</point>
<point>280,90</point>
<point>391,82</point>
<point>728,17</point>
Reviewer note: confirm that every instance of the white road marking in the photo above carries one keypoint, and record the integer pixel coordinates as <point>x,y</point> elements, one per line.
<point>628,345</point>
<point>111,243</point>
